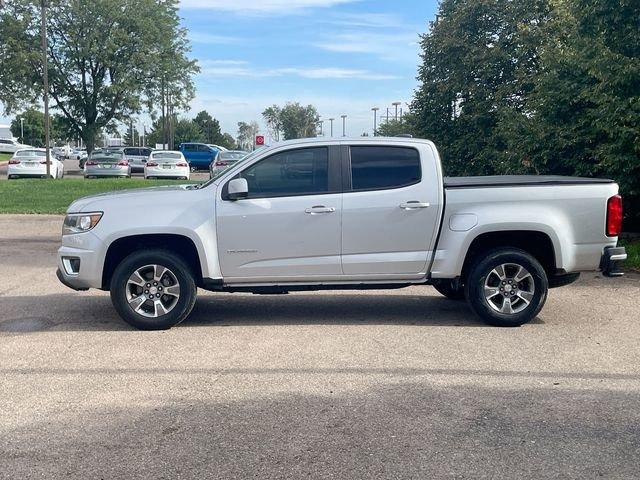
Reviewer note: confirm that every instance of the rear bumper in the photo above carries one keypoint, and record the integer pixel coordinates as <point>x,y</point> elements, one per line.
<point>611,261</point>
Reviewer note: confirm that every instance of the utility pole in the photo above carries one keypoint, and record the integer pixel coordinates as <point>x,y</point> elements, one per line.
<point>331,120</point>
<point>375,120</point>
<point>45,77</point>
<point>344,125</point>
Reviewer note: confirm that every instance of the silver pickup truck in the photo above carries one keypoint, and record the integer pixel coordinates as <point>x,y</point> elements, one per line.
<point>365,213</point>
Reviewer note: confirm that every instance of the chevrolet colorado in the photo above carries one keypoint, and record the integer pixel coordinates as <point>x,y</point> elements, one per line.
<point>342,214</point>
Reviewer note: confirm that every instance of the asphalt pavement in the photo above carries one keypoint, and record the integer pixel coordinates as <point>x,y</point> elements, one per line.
<point>399,384</point>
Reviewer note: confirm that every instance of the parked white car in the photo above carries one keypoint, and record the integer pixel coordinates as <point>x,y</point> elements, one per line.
<point>8,145</point>
<point>166,164</point>
<point>32,162</point>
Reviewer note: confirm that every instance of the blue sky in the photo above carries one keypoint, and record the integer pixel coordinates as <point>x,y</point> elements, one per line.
<point>343,56</point>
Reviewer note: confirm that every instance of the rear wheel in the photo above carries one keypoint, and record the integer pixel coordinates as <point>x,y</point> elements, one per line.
<point>450,289</point>
<point>153,290</point>
<point>506,287</point>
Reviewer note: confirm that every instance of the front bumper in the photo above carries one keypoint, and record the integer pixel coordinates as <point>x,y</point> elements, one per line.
<point>611,261</point>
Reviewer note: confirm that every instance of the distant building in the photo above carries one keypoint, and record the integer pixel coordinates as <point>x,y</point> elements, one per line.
<point>5,131</point>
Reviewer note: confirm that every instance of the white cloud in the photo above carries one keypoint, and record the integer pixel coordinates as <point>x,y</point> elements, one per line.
<point>390,46</point>
<point>240,68</point>
<point>368,20</point>
<point>210,39</point>
<point>251,7</point>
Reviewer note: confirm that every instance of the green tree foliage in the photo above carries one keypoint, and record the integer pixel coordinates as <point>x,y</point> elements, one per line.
<point>393,128</point>
<point>293,120</point>
<point>103,57</point>
<point>210,128</point>
<point>534,86</point>
<point>247,134</point>
<point>477,68</point>
<point>33,123</point>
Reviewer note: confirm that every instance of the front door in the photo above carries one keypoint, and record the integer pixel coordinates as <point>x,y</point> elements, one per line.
<point>289,226</point>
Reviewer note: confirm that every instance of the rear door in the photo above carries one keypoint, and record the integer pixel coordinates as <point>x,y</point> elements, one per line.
<point>289,227</point>
<point>390,209</point>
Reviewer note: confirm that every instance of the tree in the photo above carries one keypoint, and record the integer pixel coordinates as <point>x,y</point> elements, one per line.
<point>33,123</point>
<point>298,121</point>
<point>393,128</point>
<point>586,100</point>
<point>478,67</point>
<point>104,57</point>
<point>247,135</point>
<point>228,142</point>
<point>272,117</point>
<point>210,127</point>
<point>186,130</point>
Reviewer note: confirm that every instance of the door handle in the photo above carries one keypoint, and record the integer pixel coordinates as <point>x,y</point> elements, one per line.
<point>319,209</point>
<point>414,204</point>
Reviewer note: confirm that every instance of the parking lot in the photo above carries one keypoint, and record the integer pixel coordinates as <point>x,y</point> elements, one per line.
<point>72,170</point>
<point>396,384</point>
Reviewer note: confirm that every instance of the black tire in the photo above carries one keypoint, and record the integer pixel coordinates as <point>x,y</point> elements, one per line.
<point>450,289</point>
<point>181,273</point>
<point>482,272</point>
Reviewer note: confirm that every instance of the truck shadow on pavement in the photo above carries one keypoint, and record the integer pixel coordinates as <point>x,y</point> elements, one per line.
<point>95,312</point>
<point>412,429</point>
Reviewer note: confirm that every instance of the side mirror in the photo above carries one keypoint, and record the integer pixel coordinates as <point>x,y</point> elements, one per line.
<point>238,188</point>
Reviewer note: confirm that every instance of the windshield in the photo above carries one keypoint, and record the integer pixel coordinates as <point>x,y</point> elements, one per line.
<point>106,156</point>
<point>30,153</point>
<point>166,156</point>
<point>232,155</point>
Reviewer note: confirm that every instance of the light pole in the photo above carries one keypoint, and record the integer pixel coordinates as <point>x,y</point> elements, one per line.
<point>396,104</point>
<point>331,120</point>
<point>375,120</point>
<point>344,125</point>
<point>21,130</point>
<point>321,122</point>
<point>45,69</point>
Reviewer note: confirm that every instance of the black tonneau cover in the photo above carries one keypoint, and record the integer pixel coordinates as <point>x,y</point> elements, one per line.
<point>518,180</point>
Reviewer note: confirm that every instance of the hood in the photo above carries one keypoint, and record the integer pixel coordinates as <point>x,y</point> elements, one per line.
<point>94,202</point>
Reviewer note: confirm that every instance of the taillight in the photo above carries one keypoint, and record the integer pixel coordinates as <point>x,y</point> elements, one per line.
<point>152,164</point>
<point>13,161</point>
<point>123,163</point>
<point>182,164</point>
<point>91,163</point>
<point>614,216</point>
<point>221,163</point>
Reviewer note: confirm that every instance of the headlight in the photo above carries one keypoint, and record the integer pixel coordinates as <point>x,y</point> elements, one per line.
<point>80,222</point>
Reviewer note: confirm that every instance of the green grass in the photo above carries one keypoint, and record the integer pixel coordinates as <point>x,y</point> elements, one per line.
<point>54,196</point>
<point>4,157</point>
<point>633,252</point>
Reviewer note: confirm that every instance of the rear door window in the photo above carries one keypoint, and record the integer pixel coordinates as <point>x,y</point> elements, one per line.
<point>377,168</point>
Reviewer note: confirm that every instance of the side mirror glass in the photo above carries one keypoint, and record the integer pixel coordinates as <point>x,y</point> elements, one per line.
<point>238,188</point>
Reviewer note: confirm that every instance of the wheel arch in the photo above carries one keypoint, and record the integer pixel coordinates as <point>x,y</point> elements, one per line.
<point>181,245</point>
<point>537,243</point>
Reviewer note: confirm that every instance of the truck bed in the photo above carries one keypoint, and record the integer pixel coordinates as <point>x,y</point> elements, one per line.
<point>518,180</point>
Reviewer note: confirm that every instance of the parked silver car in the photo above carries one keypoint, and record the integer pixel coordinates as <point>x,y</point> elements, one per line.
<point>137,157</point>
<point>107,164</point>
<point>224,160</point>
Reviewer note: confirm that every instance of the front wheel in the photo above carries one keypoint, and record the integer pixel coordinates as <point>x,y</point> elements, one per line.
<point>153,290</point>
<point>506,287</point>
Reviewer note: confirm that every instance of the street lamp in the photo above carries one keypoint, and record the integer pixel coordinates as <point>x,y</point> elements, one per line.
<point>21,130</point>
<point>375,120</point>
<point>396,104</point>
<point>321,122</point>
<point>45,78</point>
<point>331,120</point>
<point>344,125</point>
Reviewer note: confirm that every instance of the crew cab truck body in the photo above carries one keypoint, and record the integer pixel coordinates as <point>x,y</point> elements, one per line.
<point>342,214</point>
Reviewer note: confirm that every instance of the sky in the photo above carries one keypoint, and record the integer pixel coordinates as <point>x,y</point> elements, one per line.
<point>343,56</point>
